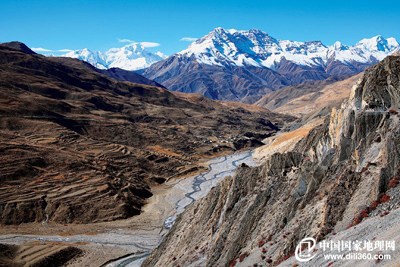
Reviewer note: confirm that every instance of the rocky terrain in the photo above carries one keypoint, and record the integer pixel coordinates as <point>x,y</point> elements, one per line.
<point>80,147</point>
<point>340,179</point>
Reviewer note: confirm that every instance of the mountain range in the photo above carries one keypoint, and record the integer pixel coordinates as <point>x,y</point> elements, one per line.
<point>245,65</point>
<point>239,65</point>
<point>133,56</point>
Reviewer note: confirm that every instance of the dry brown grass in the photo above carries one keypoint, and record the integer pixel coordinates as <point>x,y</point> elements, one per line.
<point>165,151</point>
<point>331,94</point>
<point>285,141</point>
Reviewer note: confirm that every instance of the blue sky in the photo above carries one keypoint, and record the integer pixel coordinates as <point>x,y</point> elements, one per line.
<point>98,25</point>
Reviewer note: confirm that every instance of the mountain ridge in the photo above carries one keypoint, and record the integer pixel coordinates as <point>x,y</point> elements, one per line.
<point>257,48</point>
<point>245,65</point>
<point>133,56</point>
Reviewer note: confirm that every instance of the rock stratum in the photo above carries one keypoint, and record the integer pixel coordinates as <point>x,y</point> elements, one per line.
<point>344,171</point>
<point>78,146</point>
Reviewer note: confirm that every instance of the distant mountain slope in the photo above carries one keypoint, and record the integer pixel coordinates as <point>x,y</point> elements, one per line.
<point>78,146</point>
<point>129,76</point>
<point>18,46</point>
<point>129,57</point>
<point>310,97</point>
<point>244,65</point>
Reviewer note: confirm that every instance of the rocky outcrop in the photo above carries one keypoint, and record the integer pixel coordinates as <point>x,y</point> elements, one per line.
<point>343,171</point>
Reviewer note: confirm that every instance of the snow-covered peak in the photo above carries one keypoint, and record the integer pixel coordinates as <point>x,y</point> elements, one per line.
<point>133,56</point>
<point>392,42</point>
<point>338,46</point>
<point>221,47</point>
<point>95,58</point>
<point>377,43</point>
<point>256,48</point>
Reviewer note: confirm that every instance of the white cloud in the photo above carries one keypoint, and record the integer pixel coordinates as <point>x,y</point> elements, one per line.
<point>188,39</point>
<point>41,49</point>
<point>145,44</point>
<point>125,41</point>
<point>149,44</point>
<point>65,50</point>
<point>161,54</point>
<point>45,50</point>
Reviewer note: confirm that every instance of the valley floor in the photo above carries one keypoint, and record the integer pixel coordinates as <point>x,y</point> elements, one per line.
<point>102,242</point>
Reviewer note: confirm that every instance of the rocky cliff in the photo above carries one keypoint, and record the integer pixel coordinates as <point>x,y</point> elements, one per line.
<point>345,170</point>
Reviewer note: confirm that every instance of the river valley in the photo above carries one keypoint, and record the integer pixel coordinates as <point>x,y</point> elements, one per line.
<point>129,241</point>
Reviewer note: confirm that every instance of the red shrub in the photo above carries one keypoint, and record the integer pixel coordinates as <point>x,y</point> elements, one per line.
<point>330,264</point>
<point>393,183</point>
<point>384,198</point>
<point>356,221</point>
<point>393,111</point>
<point>264,250</point>
<point>243,256</point>
<point>282,259</point>
<point>374,204</point>
<point>364,213</point>
<point>261,243</point>
<point>385,213</point>
<point>232,263</point>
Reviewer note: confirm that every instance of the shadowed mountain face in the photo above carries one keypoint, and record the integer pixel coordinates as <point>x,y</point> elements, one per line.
<point>240,83</point>
<point>216,82</point>
<point>129,76</point>
<point>340,177</point>
<point>79,146</point>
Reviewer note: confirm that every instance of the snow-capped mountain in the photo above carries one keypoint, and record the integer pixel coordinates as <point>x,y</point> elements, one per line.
<point>95,58</point>
<point>244,65</point>
<point>257,48</point>
<point>130,57</point>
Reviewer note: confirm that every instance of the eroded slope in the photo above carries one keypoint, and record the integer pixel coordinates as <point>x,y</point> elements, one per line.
<point>343,171</point>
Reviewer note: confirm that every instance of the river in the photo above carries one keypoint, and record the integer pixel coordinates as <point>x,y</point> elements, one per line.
<point>195,188</point>
<point>137,235</point>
